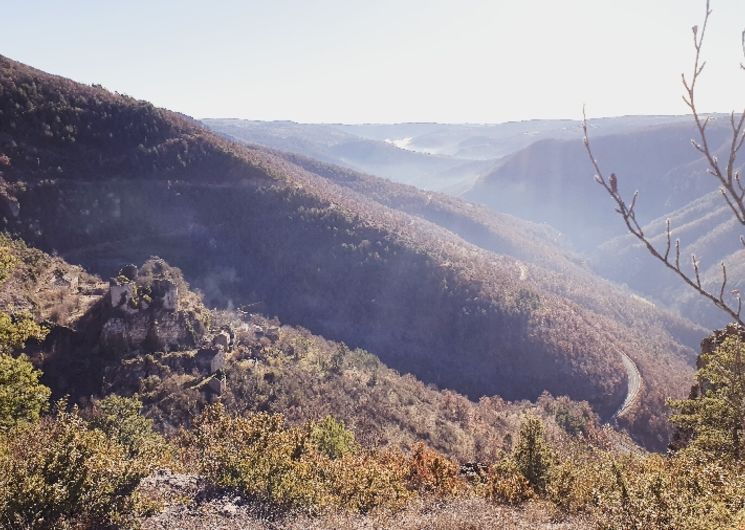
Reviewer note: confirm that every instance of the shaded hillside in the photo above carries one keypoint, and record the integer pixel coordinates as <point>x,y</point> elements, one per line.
<point>104,179</point>
<point>164,353</point>
<point>551,181</point>
<point>559,269</point>
<point>548,267</point>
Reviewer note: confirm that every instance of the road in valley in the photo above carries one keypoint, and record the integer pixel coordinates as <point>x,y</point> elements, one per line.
<point>634,384</point>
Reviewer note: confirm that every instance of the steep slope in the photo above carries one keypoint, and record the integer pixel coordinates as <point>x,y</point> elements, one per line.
<point>161,343</point>
<point>103,179</point>
<point>551,181</point>
<point>548,267</point>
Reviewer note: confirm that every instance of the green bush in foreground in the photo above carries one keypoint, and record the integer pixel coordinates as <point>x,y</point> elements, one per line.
<point>60,473</point>
<point>22,397</point>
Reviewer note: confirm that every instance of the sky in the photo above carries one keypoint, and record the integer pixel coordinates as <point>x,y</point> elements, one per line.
<point>357,61</point>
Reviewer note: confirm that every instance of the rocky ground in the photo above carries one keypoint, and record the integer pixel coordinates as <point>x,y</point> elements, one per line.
<point>186,504</point>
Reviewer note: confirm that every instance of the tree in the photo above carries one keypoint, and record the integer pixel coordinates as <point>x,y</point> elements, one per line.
<point>532,454</point>
<point>712,419</point>
<point>120,419</point>
<point>728,176</point>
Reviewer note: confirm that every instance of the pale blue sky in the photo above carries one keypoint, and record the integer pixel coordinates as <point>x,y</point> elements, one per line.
<point>385,60</point>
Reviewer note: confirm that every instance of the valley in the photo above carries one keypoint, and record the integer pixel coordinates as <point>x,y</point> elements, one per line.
<point>348,318</point>
<point>426,282</point>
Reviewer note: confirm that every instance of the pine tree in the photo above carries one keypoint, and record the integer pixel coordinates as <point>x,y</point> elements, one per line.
<point>712,419</point>
<point>532,454</point>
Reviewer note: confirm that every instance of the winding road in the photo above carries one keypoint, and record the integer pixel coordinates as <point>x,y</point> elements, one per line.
<point>634,384</point>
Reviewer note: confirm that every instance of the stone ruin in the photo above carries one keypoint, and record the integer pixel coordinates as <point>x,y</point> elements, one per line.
<point>147,313</point>
<point>129,297</point>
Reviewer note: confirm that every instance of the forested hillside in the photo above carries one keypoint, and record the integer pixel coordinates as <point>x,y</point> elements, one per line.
<point>103,179</point>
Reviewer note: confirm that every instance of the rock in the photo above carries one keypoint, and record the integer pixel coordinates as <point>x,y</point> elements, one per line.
<point>217,384</point>
<point>166,292</point>
<point>218,361</point>
<point>115,336</point>
<point>129,271</point>
<point>66,280</point>
<point>222,340</point>
<point>474,471</point>
<point>123,297</point>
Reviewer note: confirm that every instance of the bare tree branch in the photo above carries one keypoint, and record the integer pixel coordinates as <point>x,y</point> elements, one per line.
<point>633,226</point>
<point>730,184</point>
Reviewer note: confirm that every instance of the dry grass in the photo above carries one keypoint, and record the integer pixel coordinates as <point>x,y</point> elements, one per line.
<point>457,514</point>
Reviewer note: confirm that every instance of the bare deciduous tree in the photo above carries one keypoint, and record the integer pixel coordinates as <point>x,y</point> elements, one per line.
<point>731,185</point>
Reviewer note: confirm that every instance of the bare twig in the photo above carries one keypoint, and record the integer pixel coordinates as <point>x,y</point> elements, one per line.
<point>731,189</point>
<point>731,186</point>
<point>633,226</point>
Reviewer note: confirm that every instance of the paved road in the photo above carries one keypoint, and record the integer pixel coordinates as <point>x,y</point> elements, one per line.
<point>634,384</point>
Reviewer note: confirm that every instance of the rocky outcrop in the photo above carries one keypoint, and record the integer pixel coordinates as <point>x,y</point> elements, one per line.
<point>147,313</point>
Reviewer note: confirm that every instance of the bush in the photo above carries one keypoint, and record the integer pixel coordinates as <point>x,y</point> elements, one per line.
<point>573,482</point>
<point>371,480</point>
<point>119,418</point>
<point>683,492</point>
<point>16,330</point>
<point>430,472</point>
<point>332,438</point>
<point>505,483</point>
<point>22,397</point>
<point>282,466</point>
<point>61,474</point>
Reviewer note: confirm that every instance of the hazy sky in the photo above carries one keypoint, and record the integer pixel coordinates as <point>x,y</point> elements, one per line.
<point>385,60</point>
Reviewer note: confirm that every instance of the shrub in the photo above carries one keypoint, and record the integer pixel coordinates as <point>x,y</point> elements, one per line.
<point>573,482</point>
<point>22,397</point>
<point>119,418</point>
<point>271,462</point>
<point>8,260</point>
<point>261,457</point>
<point>332,438</point>
<point>61,474</point>
<point>372,480</point>
<point>16,330</point>
<point>430,472</point>
<point>505,483</point>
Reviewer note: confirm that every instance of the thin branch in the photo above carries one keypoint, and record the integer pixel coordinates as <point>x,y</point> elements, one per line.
<point>732,188</point>
<point>629,218</point>
<point>732,191</point>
